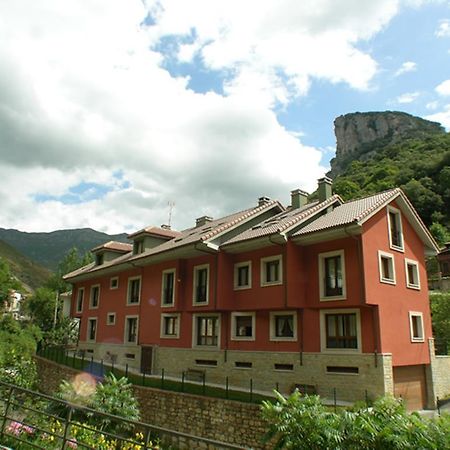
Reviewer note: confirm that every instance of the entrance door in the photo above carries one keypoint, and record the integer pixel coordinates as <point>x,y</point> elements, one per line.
<point>146,359</point>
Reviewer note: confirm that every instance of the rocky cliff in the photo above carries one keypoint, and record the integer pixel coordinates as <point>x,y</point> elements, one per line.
<point>360,135</point>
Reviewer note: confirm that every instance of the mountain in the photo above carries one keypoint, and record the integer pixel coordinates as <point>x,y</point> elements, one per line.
<point>48,249</point>
<point>29,273</point>
<point>376,151</point>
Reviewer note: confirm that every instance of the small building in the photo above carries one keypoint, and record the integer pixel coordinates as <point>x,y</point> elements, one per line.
<point>328,296</point>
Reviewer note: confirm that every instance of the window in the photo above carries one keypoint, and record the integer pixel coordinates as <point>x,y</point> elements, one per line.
<point>134,291</point>
<point>138,246</point>
<point>94,297</point>
<point>332,275</point>
<point>283,326</point>
<point>206,330</point>
<point>92,329</point>
<point>243,326</point>
<point>340,330</point>
<point>243,275</point>
<point>170,325</point>
<point>412,274</point>
<point>395,229</point>
<point>416,326</point>
<point>387,268</point>
<point>111,319</point>
<point>99,259</point>
<point>114,282</point>
<point>80,298</point>
<point>201,275</point>
<point>168,288</point>
<point>271,270</point>
<point>131,329</point>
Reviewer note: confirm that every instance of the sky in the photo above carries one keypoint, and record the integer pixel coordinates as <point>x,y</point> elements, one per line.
<point>118,114</point>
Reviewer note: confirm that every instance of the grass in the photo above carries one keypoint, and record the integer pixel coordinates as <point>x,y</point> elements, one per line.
<point>188,387</point>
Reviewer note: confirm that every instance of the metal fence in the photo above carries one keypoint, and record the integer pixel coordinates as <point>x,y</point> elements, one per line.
<point>28,411</point>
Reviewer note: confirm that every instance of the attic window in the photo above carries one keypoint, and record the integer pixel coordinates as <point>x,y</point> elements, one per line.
<point>138,247</point>
<point>99,259</point>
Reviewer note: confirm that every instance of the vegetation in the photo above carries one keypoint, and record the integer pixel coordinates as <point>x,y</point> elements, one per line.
<point>440,309</point>
<point>420,165</point>
<point>301,422</point>
<point>8,283</point>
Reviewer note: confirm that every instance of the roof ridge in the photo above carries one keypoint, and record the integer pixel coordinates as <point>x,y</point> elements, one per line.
<point>248,213</point>
<point>385,195</point>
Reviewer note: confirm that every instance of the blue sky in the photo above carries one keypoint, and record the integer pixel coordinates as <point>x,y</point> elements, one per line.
<point>111,111</point>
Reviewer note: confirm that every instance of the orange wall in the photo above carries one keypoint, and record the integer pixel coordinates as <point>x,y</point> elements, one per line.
<point>395,301</point>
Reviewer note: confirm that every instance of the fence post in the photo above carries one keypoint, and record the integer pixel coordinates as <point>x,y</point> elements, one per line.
<point>277,386</point>
<point>162,378</point>
<point>204,383</point>
<point>147,438</point>
<point>101,368</point>
<point>126,370</point>
<point>66,427</point>
<point>143,377</point>
<point>226,387</point>
<point>334,400</point>
<point>438,405</point>
<point>73,359</point>
<point>251,389</point>
<point>182,381</point>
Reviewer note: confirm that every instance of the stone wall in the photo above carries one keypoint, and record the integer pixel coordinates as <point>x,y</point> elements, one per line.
<point>222,420</point>
<point>270,370</point>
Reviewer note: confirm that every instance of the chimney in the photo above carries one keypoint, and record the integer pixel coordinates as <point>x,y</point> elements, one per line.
<point>263,200</point>
<point>299,198</point>
<point>324,190</point>
<point>164,226</point>
<point>202,221</point>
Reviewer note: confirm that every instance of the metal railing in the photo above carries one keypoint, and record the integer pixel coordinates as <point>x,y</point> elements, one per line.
<point>23,409</point>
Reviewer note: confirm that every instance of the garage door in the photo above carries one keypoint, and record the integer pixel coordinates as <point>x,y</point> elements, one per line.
<point>410,385</point>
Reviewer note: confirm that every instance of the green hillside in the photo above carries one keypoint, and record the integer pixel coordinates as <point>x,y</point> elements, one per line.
<point>420,165</point>
<point>29,273</point>
<point>48,249</point>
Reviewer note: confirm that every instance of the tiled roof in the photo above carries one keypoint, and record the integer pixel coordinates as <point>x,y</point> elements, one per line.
<point>114,246</point>
<point>350,212</point>
<point>282,221</point>
<point>186,237</point>
<point>156,231</point>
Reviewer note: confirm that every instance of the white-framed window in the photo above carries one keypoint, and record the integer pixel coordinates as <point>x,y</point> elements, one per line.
<point>170,326</point>
<point>138,246</point>
<point>131,329</point>
<point>80,299</point>
<point>200,295</point>
<point>114,282</point>
<point>332,285</point>
<point>134,291</point>
<point>91,329</point>
<point>206,330</point>
<point>243,326</point>
<point>412,274</point>
<point>340,330</point>
<point>386,267</point>
<point>94,297</point>
<point>271,270</point>
<point>395,229</point>
<point>416,326</point>
<point>243,275</point>
<point>111,318</point>
<point>283,326</point>
<point>168,288</point>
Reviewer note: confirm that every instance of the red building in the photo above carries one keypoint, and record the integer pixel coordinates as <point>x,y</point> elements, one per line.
<point>324,295</point>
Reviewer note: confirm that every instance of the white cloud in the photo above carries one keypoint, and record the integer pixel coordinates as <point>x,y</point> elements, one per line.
<point>443,88</point>
<point>443,117</point>
<point>84,94</point>
<point>407,97</point>
<point>432,105</point>
<point>408,66</point>
<point>443,28</point>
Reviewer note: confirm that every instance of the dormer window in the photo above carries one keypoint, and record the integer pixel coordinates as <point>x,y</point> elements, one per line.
<point>99,259</point>
<point>395,229</point>
<point>138,247</point>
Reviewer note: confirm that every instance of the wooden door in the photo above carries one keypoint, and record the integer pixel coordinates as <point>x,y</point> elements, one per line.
<point>410,384</point>
<point>146,359</point>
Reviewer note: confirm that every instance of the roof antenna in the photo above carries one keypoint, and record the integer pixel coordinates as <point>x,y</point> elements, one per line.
<point>171,206</point>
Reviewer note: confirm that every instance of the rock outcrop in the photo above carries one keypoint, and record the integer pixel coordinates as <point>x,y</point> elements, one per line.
<point>359,135</point>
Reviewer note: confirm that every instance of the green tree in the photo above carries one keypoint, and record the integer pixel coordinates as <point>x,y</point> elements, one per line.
<point>440,233</point>
<point>440,309</point>
<point>41,308</point>
<point>7,283</point>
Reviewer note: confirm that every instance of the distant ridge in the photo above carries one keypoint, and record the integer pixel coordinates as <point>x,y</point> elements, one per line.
<point>29,273</point>
<point>47,249</point>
